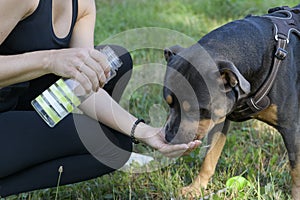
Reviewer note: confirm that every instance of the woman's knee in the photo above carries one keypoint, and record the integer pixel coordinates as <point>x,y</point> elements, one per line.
<point>112,155</point>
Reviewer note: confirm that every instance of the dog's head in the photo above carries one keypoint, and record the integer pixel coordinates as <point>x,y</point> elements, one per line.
<point>200,92</point>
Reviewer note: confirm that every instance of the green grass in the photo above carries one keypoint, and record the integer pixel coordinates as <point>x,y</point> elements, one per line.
<point>252,149</point>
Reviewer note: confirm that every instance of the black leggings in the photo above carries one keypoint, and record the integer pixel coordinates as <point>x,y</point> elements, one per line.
<point>31,153</point>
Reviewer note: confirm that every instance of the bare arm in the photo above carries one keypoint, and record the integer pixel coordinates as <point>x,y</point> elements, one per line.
<point>86,22</point>
<point>13,69</point>
<point>103,108</point>
<point>83,64</point>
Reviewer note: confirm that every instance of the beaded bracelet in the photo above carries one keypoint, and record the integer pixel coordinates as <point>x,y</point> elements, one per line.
<point>134,140</point>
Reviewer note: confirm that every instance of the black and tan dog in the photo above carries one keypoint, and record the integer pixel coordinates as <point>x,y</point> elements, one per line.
<point>248,68</point>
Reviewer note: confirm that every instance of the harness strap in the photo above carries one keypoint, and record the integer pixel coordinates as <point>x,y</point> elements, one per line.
<point>261,101</point>
<point>284,26</point>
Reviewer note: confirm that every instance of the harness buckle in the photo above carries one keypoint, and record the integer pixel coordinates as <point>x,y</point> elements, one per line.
<point>281,53</point>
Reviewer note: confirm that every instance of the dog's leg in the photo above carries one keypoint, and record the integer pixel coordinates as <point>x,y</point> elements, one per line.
<point>295,169</point>
<point>292,143</point>
<point>295,173</point>
<point>216,139</point>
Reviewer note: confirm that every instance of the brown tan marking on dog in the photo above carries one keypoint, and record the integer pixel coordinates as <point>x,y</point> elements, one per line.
<point>296,182</point>
<point>269,115</point>
<point>208,166</point>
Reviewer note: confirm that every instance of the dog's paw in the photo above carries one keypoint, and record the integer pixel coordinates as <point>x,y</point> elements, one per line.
<point>192,192</point>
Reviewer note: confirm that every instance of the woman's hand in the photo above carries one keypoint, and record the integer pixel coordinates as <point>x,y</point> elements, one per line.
<point>88,66</point>
<point>154,137</point>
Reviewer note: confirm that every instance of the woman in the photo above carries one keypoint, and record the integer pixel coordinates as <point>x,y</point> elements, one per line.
<point>41,41</point>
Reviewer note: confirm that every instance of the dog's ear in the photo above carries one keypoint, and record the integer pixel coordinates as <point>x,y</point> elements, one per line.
<point>171,51</point>
<point>232,78</point>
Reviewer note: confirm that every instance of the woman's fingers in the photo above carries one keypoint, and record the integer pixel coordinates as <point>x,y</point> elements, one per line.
<point>192,146</point>
<point>179,149</point>
<point>173,151</point>
<point>84,81</point>
<point>94,66</point>
<point>101,59</point>
<point>90,74</point>
<point>155,139</point>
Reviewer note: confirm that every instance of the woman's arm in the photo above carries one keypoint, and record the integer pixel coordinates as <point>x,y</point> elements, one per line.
<point>86,65</point>
<point>23,67</point>
<point>83,33</point>
<point>100,106</point>
<point>14,69</point>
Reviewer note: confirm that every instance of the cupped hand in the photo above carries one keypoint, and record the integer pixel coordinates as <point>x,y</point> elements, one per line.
<point>155,139</point>
<point>88,66</point>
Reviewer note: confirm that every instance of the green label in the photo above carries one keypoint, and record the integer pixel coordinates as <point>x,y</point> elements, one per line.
<point>50,112</point>
<point>69,94</point>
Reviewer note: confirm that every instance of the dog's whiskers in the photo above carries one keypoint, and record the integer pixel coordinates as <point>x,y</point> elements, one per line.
<point>207,146</point>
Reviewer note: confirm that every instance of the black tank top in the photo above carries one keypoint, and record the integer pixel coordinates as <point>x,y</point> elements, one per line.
<point>32,34</point>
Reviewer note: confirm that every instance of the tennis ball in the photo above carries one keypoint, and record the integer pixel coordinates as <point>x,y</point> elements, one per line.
<point>237,182</point>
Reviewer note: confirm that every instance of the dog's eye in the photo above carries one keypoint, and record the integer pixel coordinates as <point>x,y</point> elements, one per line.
<point>169,100</point>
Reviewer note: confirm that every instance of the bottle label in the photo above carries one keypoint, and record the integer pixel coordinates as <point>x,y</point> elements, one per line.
<point>64,96</point>
<point>56,102</point>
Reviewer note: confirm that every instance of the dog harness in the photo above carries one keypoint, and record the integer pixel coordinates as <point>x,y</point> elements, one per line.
<point>286,21</point>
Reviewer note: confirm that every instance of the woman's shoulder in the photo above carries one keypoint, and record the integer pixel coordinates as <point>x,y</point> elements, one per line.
<point>18,8</point>
<point>13,11</point>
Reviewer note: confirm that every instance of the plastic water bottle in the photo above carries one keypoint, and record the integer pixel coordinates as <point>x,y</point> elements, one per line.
<point>65,95</point>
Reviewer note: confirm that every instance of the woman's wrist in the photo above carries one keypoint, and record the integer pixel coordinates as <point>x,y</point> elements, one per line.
<point>143,132</point>
<point>133,129</point>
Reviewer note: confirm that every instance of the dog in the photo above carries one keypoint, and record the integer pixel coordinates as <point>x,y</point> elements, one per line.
<point>245,69</point>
